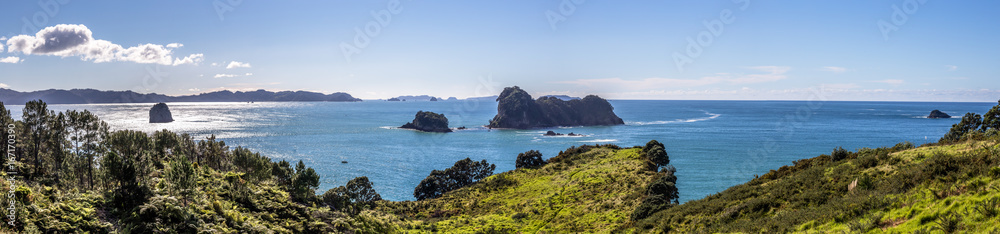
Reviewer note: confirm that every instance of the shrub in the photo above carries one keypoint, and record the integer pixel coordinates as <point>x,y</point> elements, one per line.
<point>839,154</point>
<point>948,223</point>
<point>463,173</point>
<point>970,122</point>
<point>530,159</point>
<point>357,195</point>
<point>656,153</point>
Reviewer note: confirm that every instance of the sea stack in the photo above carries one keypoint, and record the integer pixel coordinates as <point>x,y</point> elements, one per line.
<point>427,121</point>
<point>936,114</point>
<point>516,109</point>
<point>160,113</point>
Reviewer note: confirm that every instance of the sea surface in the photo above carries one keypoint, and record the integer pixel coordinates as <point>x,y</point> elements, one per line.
<point>713,144</point>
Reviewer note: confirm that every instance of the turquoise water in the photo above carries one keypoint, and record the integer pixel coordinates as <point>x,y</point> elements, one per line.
<point>713,144</point>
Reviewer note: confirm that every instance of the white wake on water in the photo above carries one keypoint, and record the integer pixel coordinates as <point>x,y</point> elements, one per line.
<point>710,116</point>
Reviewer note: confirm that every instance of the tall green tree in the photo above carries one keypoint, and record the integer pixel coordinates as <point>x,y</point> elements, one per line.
<point>256,167</point>
<point>214,154</point>
<point>970,122</point>
<point>304,183</point>
<point>35,116</point>
<point>86,132</point>
<point>182,176</point>
<point>991,120</point>
<point>5,121</point>
<point>56,146</point>
<point>166,143</point>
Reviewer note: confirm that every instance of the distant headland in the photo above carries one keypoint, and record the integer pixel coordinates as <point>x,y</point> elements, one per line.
<point>86,96</point>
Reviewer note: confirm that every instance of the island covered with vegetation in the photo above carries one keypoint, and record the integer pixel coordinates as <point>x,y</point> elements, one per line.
<point>69,173</point>
<point>516,109</point>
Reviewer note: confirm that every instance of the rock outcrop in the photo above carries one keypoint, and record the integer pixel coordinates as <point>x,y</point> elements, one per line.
<point>936,114</point>
<point>428,122</point>
<point>516,109</point>
<point>160,113</point>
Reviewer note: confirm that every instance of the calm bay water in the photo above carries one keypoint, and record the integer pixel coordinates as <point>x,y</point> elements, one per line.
<point>713,144</point>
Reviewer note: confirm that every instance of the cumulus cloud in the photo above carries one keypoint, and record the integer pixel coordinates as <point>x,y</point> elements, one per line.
<point>11,59</point>
<point>175,45</point>
<point>834,69</point>
<point>232,75</point>
<point>770,74</point>
<point>235,64</point>
<point>192,59</point>
<point>951,67</point>
<point>68,40</point>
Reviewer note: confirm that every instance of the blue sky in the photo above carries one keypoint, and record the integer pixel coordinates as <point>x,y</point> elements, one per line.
<point>773,50</point>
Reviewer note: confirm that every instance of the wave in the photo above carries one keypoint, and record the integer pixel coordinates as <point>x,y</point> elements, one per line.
<point>711,116</point>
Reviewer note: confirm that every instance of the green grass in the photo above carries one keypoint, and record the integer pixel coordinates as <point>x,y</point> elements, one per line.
<point>594,191</point>
<point>937,188</point>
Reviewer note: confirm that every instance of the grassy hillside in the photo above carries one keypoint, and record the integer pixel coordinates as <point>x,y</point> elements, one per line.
<point>936,188</point>
<point>591,190</point>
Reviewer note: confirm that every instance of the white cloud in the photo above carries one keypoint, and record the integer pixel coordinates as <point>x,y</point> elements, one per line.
<point>11,59</point>
<point>175,45</point>
<point>890,81</point>
<point>2,85</point>
<point>951,67</point>
<point>225,75</point>
<point>215,64</point>
<point>771,74</point>
<point>4,38</point>
<point>834,69</point>
<point>68,40</point>
<point>194,90</point>
<point>248,74</point>
<point>191,59</point>
<point>235,64</point>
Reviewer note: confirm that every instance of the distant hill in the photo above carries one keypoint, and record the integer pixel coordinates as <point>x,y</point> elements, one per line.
<point>85,96</point>
<point>417,98</point>
<point>562,97</point>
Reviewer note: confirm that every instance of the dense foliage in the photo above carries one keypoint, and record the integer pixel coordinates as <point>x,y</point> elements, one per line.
<point>530,159</point>
<point>72,174</point>
<point>975,126</point>
<point>463,173</point>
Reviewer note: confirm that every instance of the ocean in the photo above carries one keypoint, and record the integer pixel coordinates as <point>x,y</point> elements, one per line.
<point>713,144</point>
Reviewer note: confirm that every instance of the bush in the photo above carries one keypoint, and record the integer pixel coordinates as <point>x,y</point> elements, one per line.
<point>257,167</point>
<point>530,159</point>
<point>839,154</point>
<point>463,173</point>
<point>656,153</point>
<point>357,195</point>
<point>948,223</point>
<point>970,122</point>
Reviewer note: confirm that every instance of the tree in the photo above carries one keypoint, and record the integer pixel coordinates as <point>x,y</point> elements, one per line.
<point>35,116</point>
<point>182,176</point>
<point>283,173</point>
<point>304,182</point>
<point>661,194</point>
<point>991,120</point>
<point>132,149</point>
<point>56,145</point>
<point>970,122</point>
<point>166,144</point>
<point>839,154</point>
<point>86,131</point>
<point>358,194</point>
<point>656,153</point>
<point>5,122</point>
<point>254,165</point>
<point>213,153</point>
<point>463,173</point>
<point>530,159</point>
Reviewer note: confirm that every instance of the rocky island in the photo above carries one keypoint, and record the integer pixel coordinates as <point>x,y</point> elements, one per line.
<point>427,121</point>
<point>160,113</point>
<point>936,114</point>
<point>516,109</point>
